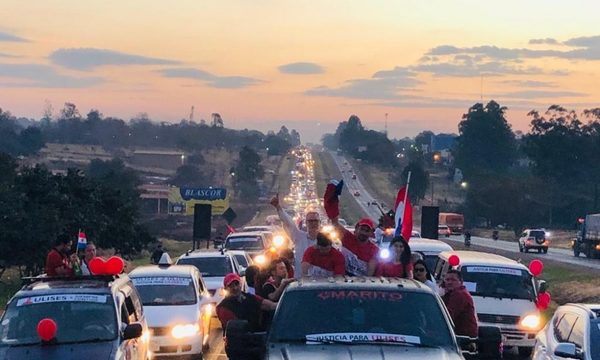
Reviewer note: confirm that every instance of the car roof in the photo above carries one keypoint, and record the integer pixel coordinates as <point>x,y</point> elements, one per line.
<point>358,282</point>
<point>78,285</point>
<point>592,309</point>
<point>246,234</point>
<point>238,252</point>
<point>424,244</point>
<point>485,259</point>
<point>157,270</point>
<point>204,254</point>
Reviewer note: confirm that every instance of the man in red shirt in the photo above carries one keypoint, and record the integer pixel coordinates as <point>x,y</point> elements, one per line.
<point>322,259</point>
<point>359,252</point>
<point>57,261</point>
<point>460,304</point>
<point>241,305</point>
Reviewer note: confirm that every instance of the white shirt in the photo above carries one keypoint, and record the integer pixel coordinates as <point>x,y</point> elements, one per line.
<point>378,235</point>
<point>299,238</point>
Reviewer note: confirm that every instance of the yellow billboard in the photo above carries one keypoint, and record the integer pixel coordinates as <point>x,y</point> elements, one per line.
<point>182,200</point>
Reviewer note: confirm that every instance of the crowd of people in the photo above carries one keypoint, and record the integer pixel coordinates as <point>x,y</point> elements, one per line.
<point>63,260</point>
<point>316,257</point>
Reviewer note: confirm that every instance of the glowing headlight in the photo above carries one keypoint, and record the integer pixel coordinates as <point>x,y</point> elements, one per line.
<point>384,254</point>
<point>187,330</point>
<point>260,259</point>
<point>278,240</point>
<point>531,322</point>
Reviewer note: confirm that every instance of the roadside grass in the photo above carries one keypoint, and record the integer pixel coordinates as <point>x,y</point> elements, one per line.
<point>325,170</point>
<point>377,181</point>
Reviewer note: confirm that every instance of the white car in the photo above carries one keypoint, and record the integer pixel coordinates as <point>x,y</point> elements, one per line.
<point>177,307</point>
<point>213,266</point>
<point>534,239</point>
<point>243,258</point>
<point>572,333</point>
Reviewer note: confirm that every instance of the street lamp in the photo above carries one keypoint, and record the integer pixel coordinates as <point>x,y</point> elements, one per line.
<point>464,184</point>
<point>182,159</point>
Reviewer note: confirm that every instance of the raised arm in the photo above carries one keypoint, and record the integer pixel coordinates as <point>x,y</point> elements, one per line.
<point>288,224</point>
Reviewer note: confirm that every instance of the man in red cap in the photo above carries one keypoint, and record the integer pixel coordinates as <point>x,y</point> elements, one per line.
<point>359,252</point>
<point>241,305</point>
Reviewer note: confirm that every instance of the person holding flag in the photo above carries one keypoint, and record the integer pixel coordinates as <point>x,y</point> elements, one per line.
<point>360,254</point>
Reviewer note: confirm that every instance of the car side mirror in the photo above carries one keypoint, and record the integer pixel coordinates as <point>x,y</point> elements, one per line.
<point>566,350</point>
<point>466,344</point>
<point>542,286</point>
<point>133,331</point>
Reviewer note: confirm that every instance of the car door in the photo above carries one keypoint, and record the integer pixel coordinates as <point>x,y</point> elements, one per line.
<point>562,327</point>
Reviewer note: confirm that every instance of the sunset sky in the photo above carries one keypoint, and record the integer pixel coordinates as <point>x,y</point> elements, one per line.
<point>304,64</point>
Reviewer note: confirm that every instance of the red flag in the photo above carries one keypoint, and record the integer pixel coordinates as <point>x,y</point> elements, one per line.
<point>230,229</point>
<point>331,201</point>
<point>403,218</point>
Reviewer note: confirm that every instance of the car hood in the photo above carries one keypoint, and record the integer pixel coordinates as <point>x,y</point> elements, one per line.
<point>350,352</point>
<point>103,350</point>
<point>214,282</point>
<point>506,306</point>
<point>161,316</point>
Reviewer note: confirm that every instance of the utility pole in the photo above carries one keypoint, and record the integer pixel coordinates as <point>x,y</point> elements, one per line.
<point>385,128</point>
<point>192,114</point>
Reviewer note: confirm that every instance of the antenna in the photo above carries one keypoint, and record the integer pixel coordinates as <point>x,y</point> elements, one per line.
<point>192,114</point>
<point>385,128</point>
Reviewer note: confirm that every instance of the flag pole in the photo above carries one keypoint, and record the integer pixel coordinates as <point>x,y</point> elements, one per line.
<point>406,192</point>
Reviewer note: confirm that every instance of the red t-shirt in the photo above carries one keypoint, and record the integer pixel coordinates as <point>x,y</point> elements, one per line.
<point>55,260</point>
<point>462,311</point>
<point>332,261</point>
<point>390,269</point>
<point>365,251</point>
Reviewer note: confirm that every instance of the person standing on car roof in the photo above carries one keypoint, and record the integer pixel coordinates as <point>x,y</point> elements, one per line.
<point>302,239</point>
<point>400,264</point>
<point>459,304</point>
<point>238,305</point>
<point>57,261</point>
<point>322,259</point>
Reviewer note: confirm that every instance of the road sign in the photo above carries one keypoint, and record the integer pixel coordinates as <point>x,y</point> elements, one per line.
<point>229,215</point>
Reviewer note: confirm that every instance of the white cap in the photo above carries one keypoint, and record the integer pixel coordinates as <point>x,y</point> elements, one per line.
<point>165,259</point>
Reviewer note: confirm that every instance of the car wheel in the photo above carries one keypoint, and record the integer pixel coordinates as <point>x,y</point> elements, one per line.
<point>576,250</point>
<point>525,351</point>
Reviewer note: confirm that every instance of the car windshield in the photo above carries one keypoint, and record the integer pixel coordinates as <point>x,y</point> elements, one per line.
<point>490,281</point>
<point>242,260</point>
<point>366,315</point>
<point>209,266</point>
<point>79,318</point>
<point>166,290</point>
<point>244,243</point>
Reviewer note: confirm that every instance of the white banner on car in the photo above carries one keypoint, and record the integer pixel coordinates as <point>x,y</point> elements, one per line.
<point>494,270</point>
<point>61,298</point>
<point>161,280</point>
<point>363,337</point>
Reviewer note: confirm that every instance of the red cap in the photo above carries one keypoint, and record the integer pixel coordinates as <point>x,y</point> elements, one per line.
<point>366,221</point>
<point>231,277</point>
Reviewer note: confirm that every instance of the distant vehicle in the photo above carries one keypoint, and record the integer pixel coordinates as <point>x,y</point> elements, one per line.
<point>353,176</point>
<point>456,222</point>
<point>415,234</point>
<point>95,317</point>
<point>588,237</point>
<point>269,228</point>
<point>533,239</point>
<point>243,259</point>
<point>572,333</point>
<point>357,193</point>
<point>504,293</point>
<point>444,230</point>
<point>177,306</point>
<point>254,242</point>
<point>335,318</point>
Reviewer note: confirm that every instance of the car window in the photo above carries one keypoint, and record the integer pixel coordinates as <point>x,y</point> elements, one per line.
<point>564,327</point>
<point>594,339</point>
<point>439,267</point>
<point>166,290</point>
<point>492,281</point>
<point>358,311</point>
<point>79,318</point>
<point>244,243</point>
<point>130,310</point>
<point>137,303</point>
<point>538,234</point>
<point>209,266</point>
<point>241,259</point>
<point>578,332</point>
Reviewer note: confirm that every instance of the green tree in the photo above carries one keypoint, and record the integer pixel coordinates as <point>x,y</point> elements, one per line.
<point>419,180</point>
<point>486,143</point>
<point>247,171</point>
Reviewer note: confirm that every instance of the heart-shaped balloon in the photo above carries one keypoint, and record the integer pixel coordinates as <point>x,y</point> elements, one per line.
<point>114,266</point>
<point>46,329</point>
<point>97,266</point>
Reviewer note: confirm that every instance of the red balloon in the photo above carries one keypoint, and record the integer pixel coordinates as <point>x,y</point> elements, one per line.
<point>114,266</point>
<point>46,329</point>
<point>543,300</point>
<point>453,260</point>
<point>536,267</point>
<point>97,266</point>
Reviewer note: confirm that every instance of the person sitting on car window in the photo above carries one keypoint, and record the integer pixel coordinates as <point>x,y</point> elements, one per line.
<point>459,304</point>
<point>277,282</point>
<point>238,305</point>
<point>400,263</point>
<point>422,274</point>
<point>322,259</point>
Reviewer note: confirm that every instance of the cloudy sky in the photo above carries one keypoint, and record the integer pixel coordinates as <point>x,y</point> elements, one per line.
<point>305,64</point>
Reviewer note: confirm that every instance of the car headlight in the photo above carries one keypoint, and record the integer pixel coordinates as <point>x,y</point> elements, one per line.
<point>260,259</point>
<point>185,330</point>
<point>530,322</point>
<point>384,254</point>
<point>278,240</point>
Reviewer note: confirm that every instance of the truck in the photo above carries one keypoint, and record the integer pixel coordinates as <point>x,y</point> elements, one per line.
<point>587,241</point>
<point>456,222</point>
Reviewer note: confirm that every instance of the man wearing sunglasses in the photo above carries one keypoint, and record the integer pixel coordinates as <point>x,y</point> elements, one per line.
<point>238,305</point>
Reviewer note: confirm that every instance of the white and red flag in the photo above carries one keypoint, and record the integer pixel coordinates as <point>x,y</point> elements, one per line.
<point>403,217</point>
